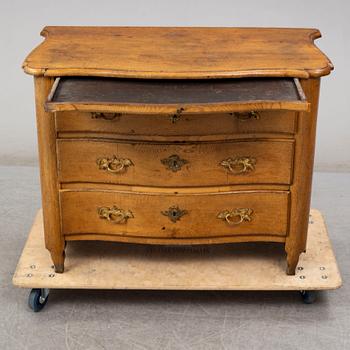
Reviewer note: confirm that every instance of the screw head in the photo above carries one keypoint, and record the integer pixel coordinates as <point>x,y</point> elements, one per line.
<point>302,277</point>
<point>51,275</point>
<point>32,266</point>
<point>324,277</point>
<point>29,275</point>
<point>322,268</point>
<point>300,268</point>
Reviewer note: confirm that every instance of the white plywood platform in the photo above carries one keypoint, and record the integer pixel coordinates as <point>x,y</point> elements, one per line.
<point>106,265</point>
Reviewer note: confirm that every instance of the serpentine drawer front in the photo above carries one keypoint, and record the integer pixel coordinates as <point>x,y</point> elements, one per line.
<point>158,164</point>
<point>197,216</point>
<point>93,124</point>
<point>176,135</point>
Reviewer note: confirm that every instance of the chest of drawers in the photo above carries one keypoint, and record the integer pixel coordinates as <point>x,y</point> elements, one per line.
<point>176,135</point>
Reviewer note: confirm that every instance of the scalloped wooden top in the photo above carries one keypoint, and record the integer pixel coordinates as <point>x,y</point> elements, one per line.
<point>180,52</point>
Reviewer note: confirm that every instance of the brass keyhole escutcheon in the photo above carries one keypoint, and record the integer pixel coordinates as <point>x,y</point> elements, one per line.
<point>174,162</point>
<point>174,213</point>
<point>176,117</point>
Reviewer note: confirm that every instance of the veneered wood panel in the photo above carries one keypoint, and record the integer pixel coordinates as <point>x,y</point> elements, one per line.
<point>154,126</point>
<point>183,52</point>
<point>77,161</point>
<point>80,214</point>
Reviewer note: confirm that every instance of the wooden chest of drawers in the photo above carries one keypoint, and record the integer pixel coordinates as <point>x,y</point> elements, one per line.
<point>176,135</point>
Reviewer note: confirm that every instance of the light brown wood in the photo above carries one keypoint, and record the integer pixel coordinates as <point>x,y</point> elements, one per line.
<point>164,123</point>
<point>301,188</point>
<point>173,190</point>
<point>146,52</point>
<point>151,96</point>
<point>101,265</point>
<point>54,240</point>
<point>157,126</point>
<point>199,225</point>
<point>77,161</point>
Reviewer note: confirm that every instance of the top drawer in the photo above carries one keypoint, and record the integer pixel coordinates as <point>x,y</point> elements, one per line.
<point>164,97</point>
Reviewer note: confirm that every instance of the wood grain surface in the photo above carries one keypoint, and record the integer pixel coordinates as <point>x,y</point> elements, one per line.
<point>80,215</point>
<point>77,161</point>
<point>175,96</point>
<point>164,127</point>
<point>170,52</point>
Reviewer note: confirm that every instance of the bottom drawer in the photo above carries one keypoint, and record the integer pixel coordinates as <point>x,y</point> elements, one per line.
<point>177,218</point>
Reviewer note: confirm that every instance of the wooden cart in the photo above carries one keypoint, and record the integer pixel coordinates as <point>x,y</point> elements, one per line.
<point>222,267</point>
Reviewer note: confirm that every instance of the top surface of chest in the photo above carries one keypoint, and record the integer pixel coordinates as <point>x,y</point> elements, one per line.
<point>165,52</point>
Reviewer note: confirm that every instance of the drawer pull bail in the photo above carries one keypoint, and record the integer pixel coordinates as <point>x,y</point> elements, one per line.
<point>242,214</point>
<point>245,116</point>
<point>105,116</point>
<point>114,165</point>
<point>114,214</point>
<point>239,165</point>
<point>174,213</point>
<point>174,162</point>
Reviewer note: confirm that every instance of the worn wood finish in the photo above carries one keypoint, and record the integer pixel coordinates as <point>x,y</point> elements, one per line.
<point>301,187</point>
<point>173,111</point>
<point>273,162</point>
<point>175,96</point>
<point>146,52</point>
<point>48,174</point>
<point>80,214</point>
<point>161,127</point>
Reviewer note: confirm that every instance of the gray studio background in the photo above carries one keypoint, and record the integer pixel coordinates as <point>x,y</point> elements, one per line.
<point>21,22</point>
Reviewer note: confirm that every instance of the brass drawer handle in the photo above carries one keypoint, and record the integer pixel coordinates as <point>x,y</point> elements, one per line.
<point>174,162</point>
<point>114,165</point>
<point>174,213</point>
<point>242,214</point>
<point>245,116</point>
<point>239,165</point>
<point>105,116</point>
<point>114,214</point>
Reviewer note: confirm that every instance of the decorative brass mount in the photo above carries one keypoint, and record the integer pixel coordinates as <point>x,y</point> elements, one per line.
<point>175,117</point>
<point>174,162</point>
<point>174,213</point>
<point>243,214</point>
<point>239,165</point>
<point>114,165</point>
<point>115,214</point>
<point>245,116</point>
<point>105,116</point>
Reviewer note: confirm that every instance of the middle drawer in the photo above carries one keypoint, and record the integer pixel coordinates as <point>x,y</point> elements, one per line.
<point>167,165</point>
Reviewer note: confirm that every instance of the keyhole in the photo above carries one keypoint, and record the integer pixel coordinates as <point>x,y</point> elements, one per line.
<point>173,213</point>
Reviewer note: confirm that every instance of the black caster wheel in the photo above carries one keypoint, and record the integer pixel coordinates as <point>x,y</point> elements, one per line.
<point>308,296</point>
<point>38,299</point>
